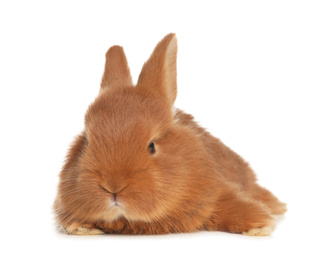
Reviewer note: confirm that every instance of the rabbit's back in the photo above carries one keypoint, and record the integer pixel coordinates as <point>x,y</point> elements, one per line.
<point>226,162</point>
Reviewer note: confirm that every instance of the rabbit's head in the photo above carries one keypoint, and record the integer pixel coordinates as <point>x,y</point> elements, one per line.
<point>130,160</point>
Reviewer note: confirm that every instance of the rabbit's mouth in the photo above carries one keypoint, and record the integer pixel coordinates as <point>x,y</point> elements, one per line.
<point>115,210</point>
<point>115,202</point>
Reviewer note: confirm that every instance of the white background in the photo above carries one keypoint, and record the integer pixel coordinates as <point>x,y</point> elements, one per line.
<point>249,71</point>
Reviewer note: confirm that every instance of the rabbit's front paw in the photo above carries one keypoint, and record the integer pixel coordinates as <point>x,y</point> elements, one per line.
<point>83,230</point>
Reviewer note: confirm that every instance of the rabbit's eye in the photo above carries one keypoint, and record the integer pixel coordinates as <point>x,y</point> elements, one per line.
<point>151,148</point>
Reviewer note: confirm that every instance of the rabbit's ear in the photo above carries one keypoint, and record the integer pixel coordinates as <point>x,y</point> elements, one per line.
<point>159,72</point>
<point>116,71</point>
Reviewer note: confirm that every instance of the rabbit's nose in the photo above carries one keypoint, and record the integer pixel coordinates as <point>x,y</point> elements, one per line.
<point>112,190</point>
<point>115,200</point>
<point>115,192</point>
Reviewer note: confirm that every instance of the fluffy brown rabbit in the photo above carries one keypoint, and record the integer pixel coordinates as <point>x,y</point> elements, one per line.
<point>143,167</point>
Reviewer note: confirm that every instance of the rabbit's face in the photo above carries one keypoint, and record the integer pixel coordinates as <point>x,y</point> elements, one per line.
<point>130,160</point>
<point>120,164</point>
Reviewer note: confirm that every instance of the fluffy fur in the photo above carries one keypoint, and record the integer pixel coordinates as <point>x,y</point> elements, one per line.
<point>113,182</point>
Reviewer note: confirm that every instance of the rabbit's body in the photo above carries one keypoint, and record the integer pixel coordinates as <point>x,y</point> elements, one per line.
<point>142,168</point>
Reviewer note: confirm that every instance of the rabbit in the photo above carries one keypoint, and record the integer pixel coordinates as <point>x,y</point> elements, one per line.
<point>143,167</point>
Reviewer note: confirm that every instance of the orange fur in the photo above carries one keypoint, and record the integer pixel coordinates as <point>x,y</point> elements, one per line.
<point>112,182</point>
